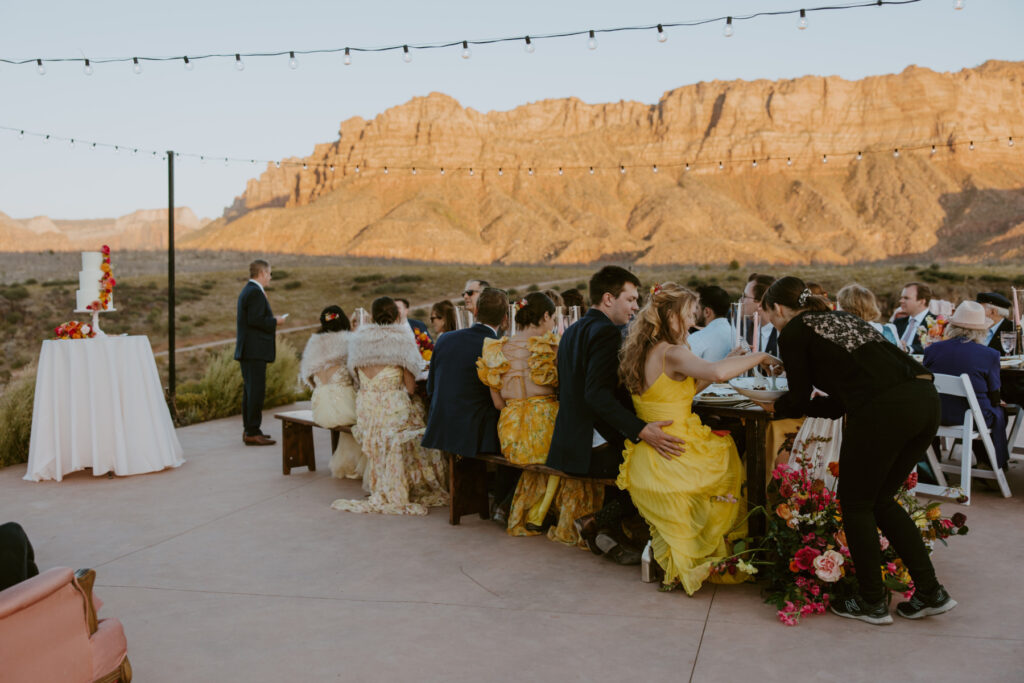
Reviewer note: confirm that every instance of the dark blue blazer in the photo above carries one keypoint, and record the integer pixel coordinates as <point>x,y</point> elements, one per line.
<point>589,394</point>
<point>995,342</point>
<point>463,419</point>
<point>901,327</point>
<point>981,363</point>
<point>254,339</point>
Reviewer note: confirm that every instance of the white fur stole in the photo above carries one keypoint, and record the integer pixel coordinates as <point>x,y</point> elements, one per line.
<point>384,345</point>
<point>322,351</point>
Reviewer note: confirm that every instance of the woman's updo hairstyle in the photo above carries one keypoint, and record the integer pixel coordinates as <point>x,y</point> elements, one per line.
<point>384,311</point>
<point>531,309</point>
<point>653,324</point>
<point>333,319</point>
<point>793,293</point>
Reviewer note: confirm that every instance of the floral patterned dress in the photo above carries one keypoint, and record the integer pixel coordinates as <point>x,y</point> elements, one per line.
<point>403,478</point>
<point>525,428</point>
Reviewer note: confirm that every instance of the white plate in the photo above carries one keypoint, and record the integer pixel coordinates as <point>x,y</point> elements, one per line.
<point>1010,362</point>
<point>751,387</point>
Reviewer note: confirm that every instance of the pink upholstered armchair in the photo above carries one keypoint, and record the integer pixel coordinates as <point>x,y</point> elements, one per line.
<point>49,632</point>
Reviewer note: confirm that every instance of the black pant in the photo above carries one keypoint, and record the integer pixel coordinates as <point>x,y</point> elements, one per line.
<point>604,464</point>
<point>254,387</point>
<point>881,444</point>
<point>17,560</point>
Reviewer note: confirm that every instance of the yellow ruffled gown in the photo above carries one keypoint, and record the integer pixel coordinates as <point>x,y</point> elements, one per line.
<point>691,502</point>
<point>524,430</point>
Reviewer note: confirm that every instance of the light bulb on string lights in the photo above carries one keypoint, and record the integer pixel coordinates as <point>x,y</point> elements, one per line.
<point>135,152</point>
<point>654,168</point>
<point>592,41</point>
<point>357,168</point>
<point>687,168</point>
<point>528,46</point>
<point>896,153</point>
<point>802,23</point>
<point>414,170</point>
<point>93,146</point>
<point>332,168</point>
<point>753,164</point>
<point>385,170</point>
<point>530,171</point>
<point>622,169</point>
<point>225,161</point>
<point>1009,143</point>
<point>933,150</point>
<point>728,30</point>
<point>118,149</point>
<point>591,170</point>
<point>662,36</point>
<point>305,166</point>
<point>466,52</point>
<point>136,67</point>
<point>202,159</point>
<point>721,166</point>
<point>442,170</point>
<point>971,146</point>
<point>40,68</point>
<point>348,57</point>
<point>87,68</point>
<point>859,155</point>
<point>71,143</point>
<point>277,164</point>
<point>471,170</point>
<point>824,158</point>
<point>21,136</point>
<point>188,64</point>
<point>958,4</point>
<point>239,64</point>
<point>406,55</point>
<point>293,63</point>
<point>559,170</point>
<point>501,171</point>
<point>789,161</point>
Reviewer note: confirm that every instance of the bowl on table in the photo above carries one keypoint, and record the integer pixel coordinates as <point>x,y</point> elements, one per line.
<point>759,388</point>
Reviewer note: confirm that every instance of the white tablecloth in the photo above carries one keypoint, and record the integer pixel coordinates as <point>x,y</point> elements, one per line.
<point>99,404</point>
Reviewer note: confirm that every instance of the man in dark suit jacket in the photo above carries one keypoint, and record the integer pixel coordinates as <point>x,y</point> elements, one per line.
<point>463,419</point>
<point>254,348</point>
<point>595,414</point>
<point>914,301</point>
<point>403,316</point>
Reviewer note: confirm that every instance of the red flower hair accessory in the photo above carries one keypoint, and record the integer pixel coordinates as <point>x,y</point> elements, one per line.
<point>655,289</point>
<point>330,316</point>
<point>521,304</point>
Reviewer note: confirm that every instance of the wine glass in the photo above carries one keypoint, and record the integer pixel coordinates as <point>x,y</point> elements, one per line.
<point>1008,340</point>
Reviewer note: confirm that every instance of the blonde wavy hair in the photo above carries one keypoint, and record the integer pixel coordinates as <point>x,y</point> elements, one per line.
<point>651,326</point>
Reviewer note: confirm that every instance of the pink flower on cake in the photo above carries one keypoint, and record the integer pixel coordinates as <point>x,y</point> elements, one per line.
<point>828,566</point>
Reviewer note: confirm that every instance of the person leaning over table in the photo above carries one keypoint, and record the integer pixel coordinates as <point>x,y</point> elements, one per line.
<point>964,351</point>
<point>892,414</point>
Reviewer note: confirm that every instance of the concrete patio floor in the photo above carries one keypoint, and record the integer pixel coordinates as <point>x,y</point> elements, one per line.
<point>225,570</point>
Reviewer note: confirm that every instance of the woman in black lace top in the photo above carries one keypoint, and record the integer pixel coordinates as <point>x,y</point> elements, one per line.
<point>892,414</point>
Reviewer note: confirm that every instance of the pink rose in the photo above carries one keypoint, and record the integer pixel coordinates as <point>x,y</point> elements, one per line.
<point>883,542</point>
<point>828,566</point>
<point>805,557</point>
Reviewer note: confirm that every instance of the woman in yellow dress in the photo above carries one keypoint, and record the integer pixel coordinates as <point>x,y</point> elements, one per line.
<point>522,374</point>
<point>692,503</point>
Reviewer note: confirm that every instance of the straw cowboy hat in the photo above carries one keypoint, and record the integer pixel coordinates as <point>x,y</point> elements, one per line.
<point>970,315</point>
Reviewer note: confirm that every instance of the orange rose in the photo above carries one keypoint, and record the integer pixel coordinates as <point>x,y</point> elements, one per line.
<point>784,512</point>
<point>792,566</point>
<point>833,469</point>
<point>933,513</point>
<point>840,537</point>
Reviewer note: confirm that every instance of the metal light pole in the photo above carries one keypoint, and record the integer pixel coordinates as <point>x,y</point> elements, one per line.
<point>170,275</point>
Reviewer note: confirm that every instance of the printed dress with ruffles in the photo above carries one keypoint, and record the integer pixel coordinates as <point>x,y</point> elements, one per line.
<point>692,502</point>
<point>525,428</point>
<point>403,478</point>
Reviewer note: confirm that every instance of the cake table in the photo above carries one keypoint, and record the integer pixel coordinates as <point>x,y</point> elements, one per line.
<point>99,404</point>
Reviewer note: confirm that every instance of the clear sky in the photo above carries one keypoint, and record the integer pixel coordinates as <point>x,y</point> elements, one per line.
<point>270,111</point>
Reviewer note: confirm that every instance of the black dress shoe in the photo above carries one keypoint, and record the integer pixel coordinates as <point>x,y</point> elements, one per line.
<point>586,527</point>
<point>620,554</point>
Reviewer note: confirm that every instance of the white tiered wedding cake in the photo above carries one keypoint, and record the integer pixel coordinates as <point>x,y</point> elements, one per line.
<point>89,282</point>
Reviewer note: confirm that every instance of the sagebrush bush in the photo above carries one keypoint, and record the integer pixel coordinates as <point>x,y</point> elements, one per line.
<point>16,418</point>
<point>219,393</point>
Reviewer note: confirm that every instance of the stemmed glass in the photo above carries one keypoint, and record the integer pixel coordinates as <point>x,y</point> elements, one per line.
<point>1008,340</point>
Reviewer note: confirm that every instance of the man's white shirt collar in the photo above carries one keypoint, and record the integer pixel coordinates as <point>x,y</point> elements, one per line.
<point>258,285</point>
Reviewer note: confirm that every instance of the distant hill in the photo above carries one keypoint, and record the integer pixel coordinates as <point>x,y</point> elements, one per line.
<point>955,204</point>
<point>144,229</point>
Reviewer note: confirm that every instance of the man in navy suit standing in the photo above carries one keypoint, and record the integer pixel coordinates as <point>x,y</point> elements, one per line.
<point>254,348</point>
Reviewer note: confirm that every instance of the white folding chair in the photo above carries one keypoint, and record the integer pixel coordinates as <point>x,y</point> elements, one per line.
<point>963,435</point>
<point>1014,420</point>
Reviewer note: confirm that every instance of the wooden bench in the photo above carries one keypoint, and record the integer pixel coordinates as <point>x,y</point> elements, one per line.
<point>297,439</point>
<point>467,483</point>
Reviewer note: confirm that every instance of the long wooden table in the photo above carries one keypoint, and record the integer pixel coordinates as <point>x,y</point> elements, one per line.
<point>755,421</point>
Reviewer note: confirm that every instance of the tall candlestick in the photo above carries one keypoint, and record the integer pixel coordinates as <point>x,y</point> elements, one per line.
<point>757,333</point>
<point>1016,308</point>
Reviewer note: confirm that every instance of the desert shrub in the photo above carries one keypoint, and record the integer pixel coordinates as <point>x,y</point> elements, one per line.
<point>419,313</point>
<point>31,281</point>
<point>16,418</point>
<point>734,265</point>
<point>511,291</point>
<point>14,292</point>
<point>372,277</point>
<point>410,277</point>
<point>281,274</point>
<point>391,290</point>
<point>582,286</point>
<point>992,277</point>
<point>184,318</point>
<point>294,284</point>
<point>219,393</point>
<point>533,288</point>
<point>59,283</point>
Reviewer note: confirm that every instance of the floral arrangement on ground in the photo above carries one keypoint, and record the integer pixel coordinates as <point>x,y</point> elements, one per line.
<point>803,558</point>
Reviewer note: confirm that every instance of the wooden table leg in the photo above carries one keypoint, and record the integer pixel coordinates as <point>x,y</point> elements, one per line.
<point>296,447</point>
<point>467,488</point>
<point>757,455</point>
